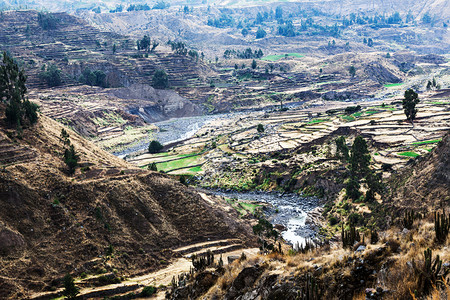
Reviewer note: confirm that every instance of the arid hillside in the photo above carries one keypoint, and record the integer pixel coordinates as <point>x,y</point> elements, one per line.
<point>52,223</point>
<point>427,184</point>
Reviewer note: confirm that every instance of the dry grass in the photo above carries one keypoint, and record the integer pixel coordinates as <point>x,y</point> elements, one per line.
<point>396,267</point>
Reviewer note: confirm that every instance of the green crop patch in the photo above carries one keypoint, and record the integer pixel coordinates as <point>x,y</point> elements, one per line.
<point>409,154</point>
<point>427,142</point>
<point>348,118</point>
<point>316,121</point>
<point>280,56</point>
<point>195,169</point>
<point>388,85</point>
<point>178,164</point>
<point>249,207</point>
<point>372,112</point>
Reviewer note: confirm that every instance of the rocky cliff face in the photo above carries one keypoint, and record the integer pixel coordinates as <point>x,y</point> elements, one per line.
<point>154,105</point>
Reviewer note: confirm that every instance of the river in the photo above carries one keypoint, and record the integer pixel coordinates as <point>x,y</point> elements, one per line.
<point>289,210</point>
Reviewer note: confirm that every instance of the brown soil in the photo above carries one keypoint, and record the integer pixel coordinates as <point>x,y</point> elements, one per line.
<point>52,223</point>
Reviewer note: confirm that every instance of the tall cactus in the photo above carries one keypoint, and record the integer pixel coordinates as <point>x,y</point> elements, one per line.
<point>432,273</point>
<point>311,290</point>
<point>408,219</point>
<point>441,226</point>
<point>349,237</point>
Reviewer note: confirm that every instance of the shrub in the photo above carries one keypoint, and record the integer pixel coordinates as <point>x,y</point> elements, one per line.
<point>70,289</point>
<point>155,147</point>
<point>71,159</point>
<point>333,221</point>
<point>260,128</point>
<point>148,291</point>
<point>261,33</point>
<point>52,76</point>
<point>160,80</point>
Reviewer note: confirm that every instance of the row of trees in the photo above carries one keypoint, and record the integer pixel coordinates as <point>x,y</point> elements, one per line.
<point>146,44</point>
<point>246,54</point>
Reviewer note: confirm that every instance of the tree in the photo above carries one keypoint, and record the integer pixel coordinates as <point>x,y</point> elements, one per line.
<point>70,289</point>
<point>261,33</point>
<point>265,228</point>
<point>244,31</point>
<point>71,159</point>
<point>342,149</point>
<point>155,147</point>
<point>352,188</point>
<point>409,104</point>
<point>145,43</point>
<point>97,78</point>
<point>352,71</point>
<point>160,80</point>
<point>114,49</point>
<point>279,13</point>
<point>260,128</point>
<point>13,92</point>
<point>254,64</point>
<point>370,42</point>
<point>47,21</point>
<point>52,76</point>
<point>360,157</point>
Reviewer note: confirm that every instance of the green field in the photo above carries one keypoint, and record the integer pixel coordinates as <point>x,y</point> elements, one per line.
<point>243,208</point>
<point>393,84</point>
<point>427,142</point>
<point>315,121</point>
<point>348,118</point>
<point>409,154</point>
<point>179,163</point>
<point>195,169</point>
<point>280,56</point>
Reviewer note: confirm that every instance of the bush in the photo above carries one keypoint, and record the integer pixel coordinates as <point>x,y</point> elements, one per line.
<point>52,76</point>
<point>160,80</point>
<point>71,159</point>
<point>261,33</point>
<point>70,289</point>
<point>47,21</point>
<point>97,77</point>
<point>148,291</point>
<point>155,147</point>
<point>260,128</point>
<point>333,221</point>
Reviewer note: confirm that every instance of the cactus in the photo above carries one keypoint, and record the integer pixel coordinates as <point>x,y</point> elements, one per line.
<point>220,264</point>
<point>350,237</point>
<point>441,226</point>
<point>432,273</point>
<point>408,219</point>
<point>201,261</point>
<point>309,246</point>
<point>311,290</point>
<point>373,236</point>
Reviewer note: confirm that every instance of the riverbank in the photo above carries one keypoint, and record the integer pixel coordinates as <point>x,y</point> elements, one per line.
<point>295,215</point>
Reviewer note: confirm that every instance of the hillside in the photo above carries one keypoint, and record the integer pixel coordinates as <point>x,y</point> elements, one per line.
<point>388,264</point>
<point>425,185</point>
<point>52,223</point>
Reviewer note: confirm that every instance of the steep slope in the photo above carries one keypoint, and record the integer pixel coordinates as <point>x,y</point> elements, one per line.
<point>427,184</point>
<point>51,223</point>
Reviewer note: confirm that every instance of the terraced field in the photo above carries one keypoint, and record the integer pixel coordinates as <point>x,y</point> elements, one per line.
<point>234,146</point>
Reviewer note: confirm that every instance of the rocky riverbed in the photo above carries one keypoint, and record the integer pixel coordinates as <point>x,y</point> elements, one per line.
<point>288,210</point>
